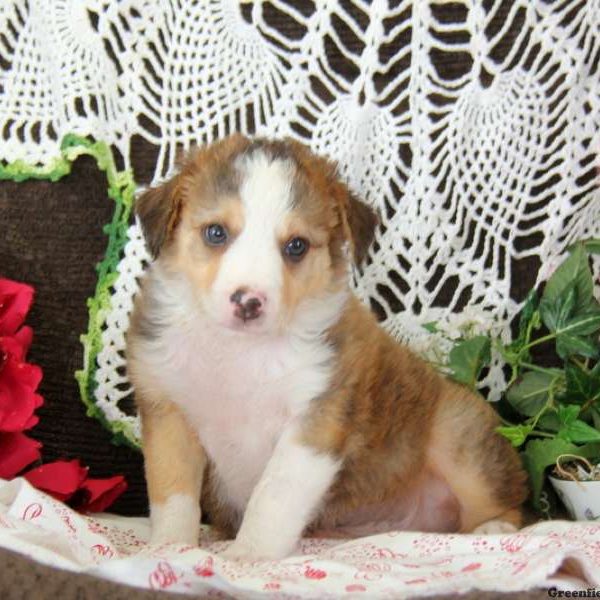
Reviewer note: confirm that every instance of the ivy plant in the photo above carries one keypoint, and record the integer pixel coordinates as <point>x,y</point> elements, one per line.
<point>547,410</point>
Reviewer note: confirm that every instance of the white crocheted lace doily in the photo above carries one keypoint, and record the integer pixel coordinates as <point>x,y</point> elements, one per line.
<point>473,126</point>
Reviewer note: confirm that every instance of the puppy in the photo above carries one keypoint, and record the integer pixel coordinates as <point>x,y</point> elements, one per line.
<point>268,394</point>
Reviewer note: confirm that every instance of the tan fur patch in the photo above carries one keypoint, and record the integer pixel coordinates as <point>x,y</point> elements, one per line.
<point>174,458</point>
<point>158,210</point>
<point>482,467</point>
<point>190,254</point>
<point>204,178</point>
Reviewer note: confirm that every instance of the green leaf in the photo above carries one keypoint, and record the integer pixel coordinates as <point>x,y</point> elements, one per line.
<point>529,318</point>
<point>582,385</point>
<point>527,313</point>
<point>568,307</point>
<point>431,326</point>
<point>467,359</point>
<point>596,417</point>
<point>516,434</point>
<point>583,324</point>
<point>591,245</point>
<point>568,345</point>
<point>529,393</point>
<point>555,313</point>
<point>549,421</point>
<point>538,456</point>
<point>568,414</point>
<point>579,432</point>
<point>575,270</point>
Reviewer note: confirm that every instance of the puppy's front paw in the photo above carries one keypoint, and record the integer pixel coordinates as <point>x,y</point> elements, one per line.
<point>161,537</point>
<point>238,550</point>
<point>175,530</point>
<point>244,550</point>
<point>176,521</point>
<point>495,527</point>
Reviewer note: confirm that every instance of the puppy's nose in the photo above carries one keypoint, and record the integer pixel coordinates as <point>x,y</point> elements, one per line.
<point>248,303</point>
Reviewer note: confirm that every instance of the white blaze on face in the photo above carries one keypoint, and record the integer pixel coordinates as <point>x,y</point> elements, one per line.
<point>254,261</point>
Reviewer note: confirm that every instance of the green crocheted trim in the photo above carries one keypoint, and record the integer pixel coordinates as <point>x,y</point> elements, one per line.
<point>121,188</point>
<point>20,170</point>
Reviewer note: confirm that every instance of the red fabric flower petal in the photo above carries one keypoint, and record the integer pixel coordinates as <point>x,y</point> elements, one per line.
<point>23,338</point>
<point>61,479</point>
<point>18,383</point>
<point>16,452</point>
<point>34,419</point>
<point>99,494</point>
<point>15,302</point>
<point>18,400</point>
<point>17,345</point>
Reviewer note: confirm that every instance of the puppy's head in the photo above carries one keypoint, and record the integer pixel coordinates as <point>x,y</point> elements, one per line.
<point>260,229</point>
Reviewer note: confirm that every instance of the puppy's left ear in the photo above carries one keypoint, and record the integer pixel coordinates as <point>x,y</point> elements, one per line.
<point>361,222</point>
<point>158,210</point>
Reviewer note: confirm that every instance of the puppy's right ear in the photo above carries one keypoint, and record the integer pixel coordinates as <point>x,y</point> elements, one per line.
<point>158,210</point>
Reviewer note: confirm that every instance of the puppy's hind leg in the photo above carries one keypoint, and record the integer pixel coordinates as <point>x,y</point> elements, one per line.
<point>508,522</point>
<point>482,468</point>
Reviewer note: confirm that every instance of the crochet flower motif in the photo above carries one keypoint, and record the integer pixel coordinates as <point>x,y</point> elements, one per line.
<point>65,480</point>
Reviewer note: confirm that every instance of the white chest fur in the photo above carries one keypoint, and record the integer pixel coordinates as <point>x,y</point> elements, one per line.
<point>238,391</point>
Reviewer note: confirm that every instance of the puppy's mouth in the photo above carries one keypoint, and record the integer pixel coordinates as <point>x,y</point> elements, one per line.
<point>244,322</point>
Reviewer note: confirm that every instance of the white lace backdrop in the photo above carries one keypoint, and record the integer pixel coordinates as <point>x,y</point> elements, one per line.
<point>473,126</point>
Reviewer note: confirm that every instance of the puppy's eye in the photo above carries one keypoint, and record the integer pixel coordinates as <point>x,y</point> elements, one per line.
<point>295,249</point>
<point>215,234</point>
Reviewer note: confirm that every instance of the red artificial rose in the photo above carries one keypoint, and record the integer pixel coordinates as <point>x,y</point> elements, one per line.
<point>96,495</point>
<point>16,452</point>
<point>19,380</point>
<point>61,479</point>
<point>18,383</point>
<point>67,480</point>
<point>15,301</point>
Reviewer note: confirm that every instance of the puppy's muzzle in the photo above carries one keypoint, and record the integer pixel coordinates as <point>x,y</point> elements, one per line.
<point>248,304</point>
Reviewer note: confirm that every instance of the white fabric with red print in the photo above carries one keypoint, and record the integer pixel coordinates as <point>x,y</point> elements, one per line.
<point>392,565</point>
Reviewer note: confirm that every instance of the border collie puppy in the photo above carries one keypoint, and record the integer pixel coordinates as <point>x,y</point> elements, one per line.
<point>268,393</point>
